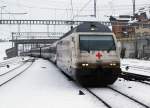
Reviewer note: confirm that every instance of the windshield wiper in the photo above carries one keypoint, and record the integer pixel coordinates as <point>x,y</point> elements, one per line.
<point>112,46</point>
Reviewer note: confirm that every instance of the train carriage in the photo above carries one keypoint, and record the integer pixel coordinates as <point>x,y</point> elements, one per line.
<point>88,53</point>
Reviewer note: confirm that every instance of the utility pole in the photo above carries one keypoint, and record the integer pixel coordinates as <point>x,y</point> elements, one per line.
<point>2,10</point>
<point>95,8</point>
<point>135,37</point>
<point>133,1</point>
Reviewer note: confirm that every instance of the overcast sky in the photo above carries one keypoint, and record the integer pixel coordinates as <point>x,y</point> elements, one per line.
<point>62,9</point>
<point>50,9</point>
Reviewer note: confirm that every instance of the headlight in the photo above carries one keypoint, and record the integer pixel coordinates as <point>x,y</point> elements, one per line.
<point>85,65</point>
<point>113,64</point>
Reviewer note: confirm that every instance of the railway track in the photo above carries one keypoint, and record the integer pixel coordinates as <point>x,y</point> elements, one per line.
<point>87,89</point>
<point>104,94</point>
<point>117,95</point>
<point>146,83</point>
<point>131,98</point>
<point>120,98</point>
<point>12,69</point>
<point>12,61</point>
<point>99,98</point>
<point>134,77</point>
<point>12,74</point>
<point>108,95</point>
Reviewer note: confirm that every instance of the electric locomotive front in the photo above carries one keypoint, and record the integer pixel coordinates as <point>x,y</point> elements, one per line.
<point>98,59</point>
<point>89,54</point>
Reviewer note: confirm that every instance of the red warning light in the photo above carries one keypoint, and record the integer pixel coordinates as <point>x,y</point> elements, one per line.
<point>98,55</point>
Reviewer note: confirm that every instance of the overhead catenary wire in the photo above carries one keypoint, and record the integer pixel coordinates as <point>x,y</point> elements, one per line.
<point>72,9</point>
<point>103,7</point>
<point>84,6</point>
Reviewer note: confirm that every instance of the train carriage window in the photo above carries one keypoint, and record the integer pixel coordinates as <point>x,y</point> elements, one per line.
<point>96,42</point>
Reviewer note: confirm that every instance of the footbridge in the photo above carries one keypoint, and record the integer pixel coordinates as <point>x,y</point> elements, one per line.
<point>29,40</point>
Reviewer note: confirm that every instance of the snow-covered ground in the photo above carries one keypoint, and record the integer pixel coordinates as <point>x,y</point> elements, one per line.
<point>12,63</point>
<point>11,74</point>
<point>43,86</point>
<point>134,89</point>
<point>115,99</point>
<point>141,67</point>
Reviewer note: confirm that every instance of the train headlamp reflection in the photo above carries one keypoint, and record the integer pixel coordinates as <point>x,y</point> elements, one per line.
<point>85,65</point>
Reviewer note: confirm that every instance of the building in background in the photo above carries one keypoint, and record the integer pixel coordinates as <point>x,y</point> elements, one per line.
<point>133,34</point>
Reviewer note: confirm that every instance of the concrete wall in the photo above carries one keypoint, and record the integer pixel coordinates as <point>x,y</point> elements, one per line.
<point>139,48</point>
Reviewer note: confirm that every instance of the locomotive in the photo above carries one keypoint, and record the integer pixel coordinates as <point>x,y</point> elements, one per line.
<point>87,53</point>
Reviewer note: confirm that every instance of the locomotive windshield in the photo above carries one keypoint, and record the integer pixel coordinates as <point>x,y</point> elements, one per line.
<point>96,42</point>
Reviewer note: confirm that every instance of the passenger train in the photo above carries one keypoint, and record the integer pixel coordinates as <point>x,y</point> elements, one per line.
<point>88,53</point>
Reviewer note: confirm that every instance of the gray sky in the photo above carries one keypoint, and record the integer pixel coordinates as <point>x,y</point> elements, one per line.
<point>61,9</point>
<point>50,9</point>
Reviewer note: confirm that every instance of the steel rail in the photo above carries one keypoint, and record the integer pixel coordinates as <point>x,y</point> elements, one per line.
<point>16,75</point>
<point>100,99</point>
<point>146,83</point>
<point>133,99</point>
<point>12,70</point>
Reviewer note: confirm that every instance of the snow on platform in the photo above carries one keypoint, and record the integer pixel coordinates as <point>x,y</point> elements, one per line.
<point>140,67</point>
<point>43,86</point>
